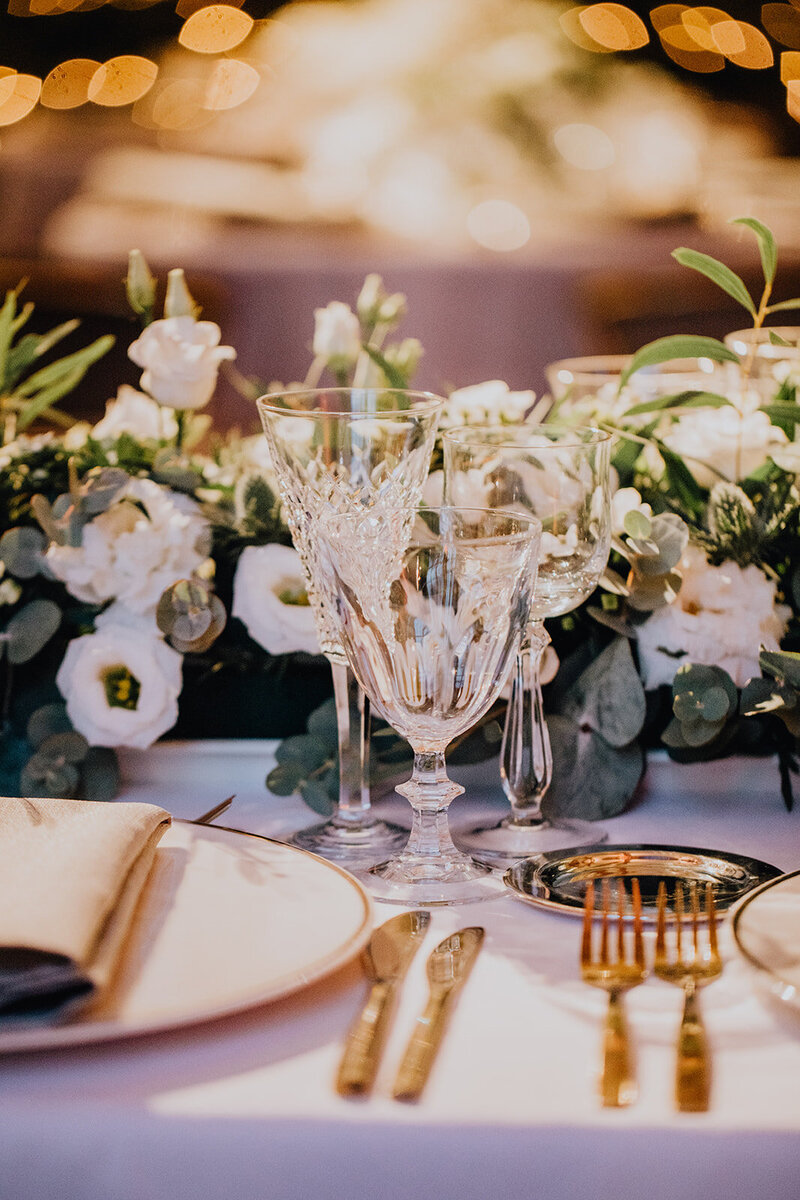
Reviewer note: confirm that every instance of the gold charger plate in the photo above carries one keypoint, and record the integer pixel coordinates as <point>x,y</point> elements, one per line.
<point>557,880</point>
<point>228,921</point>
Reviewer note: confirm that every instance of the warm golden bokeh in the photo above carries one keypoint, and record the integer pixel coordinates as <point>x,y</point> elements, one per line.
<point>67,85</point>
<point>215,29</point>
<point>666,15</point>
<point>782,22</point>
<point>571,25</point>
<point>179,106</point>
<point>22,99</point>
<point>744,45</point>
<point>614,27</point>
<point>122,80</point>
<point>231,83</point>
<point>790,65</point>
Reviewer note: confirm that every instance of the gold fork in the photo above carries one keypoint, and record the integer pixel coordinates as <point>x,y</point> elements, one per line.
<point>617,974</point>
<point>690,971</point>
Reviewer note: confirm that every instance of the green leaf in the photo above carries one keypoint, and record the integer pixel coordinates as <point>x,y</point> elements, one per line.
<point>304,748</point>
<point>31,628</point>
<point>637,524</point>
<point>394,377</point>
<point>783,305</point>
<point>68,746</point>
<point>283,779</point>
<point>682,483</point>
<point>608,696</point>
<point>41,402</point>
<point>776,340</point>
<point>21,549</point>
<point>99,775</point>
<point>718,273</point>
<point>679,345</point>
<point>679,400</point>
<point>7,314</point>
<point>762,696</point>
<point>782,664</point>
<point>31,347</point>
<point>317,797</point>
<point>766,245</point>
<point>591,779</point>
<point>46,721</point>
<point>53,372</point>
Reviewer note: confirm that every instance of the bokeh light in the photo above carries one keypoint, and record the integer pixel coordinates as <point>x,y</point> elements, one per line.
<point>67,85</point>
<point>614,27</point>
<point>231,83</point>
<point>498,225</point>
<point>122,80</point>
<point>782,22</point>
<point>22,98</point>
<point>584,146</point>
<point>215,29</point>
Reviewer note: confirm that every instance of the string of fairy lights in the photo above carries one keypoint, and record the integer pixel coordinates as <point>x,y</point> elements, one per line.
<point>698,38</point>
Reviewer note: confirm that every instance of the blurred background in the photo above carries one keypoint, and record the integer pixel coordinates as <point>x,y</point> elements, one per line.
<point>521,169</point>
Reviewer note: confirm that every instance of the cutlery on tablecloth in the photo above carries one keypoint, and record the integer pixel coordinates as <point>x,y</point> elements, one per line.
<point>448,967</point>
<point>386,960</point>
<point>612,969</point>
<point>691,971</point>
<point>207,817</point>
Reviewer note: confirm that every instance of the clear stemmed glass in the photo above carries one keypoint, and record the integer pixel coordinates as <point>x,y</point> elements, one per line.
<point>339,450</point>
<point>430,613</point>
<point>561,475</point>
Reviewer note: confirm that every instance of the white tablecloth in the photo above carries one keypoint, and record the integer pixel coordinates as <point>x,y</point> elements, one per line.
<point>244,1107</point>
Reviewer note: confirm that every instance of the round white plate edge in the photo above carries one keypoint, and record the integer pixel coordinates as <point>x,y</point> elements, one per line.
<point>77,1033</point>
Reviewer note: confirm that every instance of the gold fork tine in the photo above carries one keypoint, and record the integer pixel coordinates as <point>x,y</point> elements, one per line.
<point>689,971</point>
<point>638,940</point>
<point>604,926</point>
<point>588,912</point>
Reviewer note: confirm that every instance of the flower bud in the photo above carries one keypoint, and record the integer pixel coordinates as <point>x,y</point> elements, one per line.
<point>140,286</point>
<point>179,301</point>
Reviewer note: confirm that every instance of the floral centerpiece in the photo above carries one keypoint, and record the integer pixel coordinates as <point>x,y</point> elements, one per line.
<point>147,569</point>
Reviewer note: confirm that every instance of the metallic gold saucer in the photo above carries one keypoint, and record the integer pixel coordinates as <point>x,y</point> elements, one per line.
<point>557,880</point>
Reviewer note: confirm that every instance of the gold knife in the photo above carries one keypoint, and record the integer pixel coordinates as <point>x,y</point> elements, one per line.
<point>448,967</point>
<point>386,960</point>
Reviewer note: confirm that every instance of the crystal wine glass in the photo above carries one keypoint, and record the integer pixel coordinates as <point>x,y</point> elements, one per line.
<point>430,618</point>
<point>561,475</point>
<point>339,450</point>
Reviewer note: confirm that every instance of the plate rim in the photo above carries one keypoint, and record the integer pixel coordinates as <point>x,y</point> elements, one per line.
<point>576,909</point>
<point>742,905</point>
<point>24,1039</point>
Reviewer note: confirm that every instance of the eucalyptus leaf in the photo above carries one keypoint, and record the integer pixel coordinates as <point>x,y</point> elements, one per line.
<point>591,779</point>
<point>718,273</point>
<point>317,797</point>
<point>678,345</point>
<point>31,628</point>
<point>322,723</point>
<point>100,775</point>
<point>40,777</point>
<point>46,721</point>
<point>608,696</point>
<point>766,245</point>
<point>637,524</point>
<point>21,549</point>
<point>305,748</point>
<point>101,488</point>
<point>284,778</point>
<point>68,746</point>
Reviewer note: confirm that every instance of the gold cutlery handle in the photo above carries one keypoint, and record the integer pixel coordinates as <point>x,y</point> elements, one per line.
<point>617,1085</point>
<point>693,1073</point>
<point>421,1049</point>
<point>365,1042</point>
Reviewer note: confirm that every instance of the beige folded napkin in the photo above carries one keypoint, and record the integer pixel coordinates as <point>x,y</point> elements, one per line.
<point>71,873</point>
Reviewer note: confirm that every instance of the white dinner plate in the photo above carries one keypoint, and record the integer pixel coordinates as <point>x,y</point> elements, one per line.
<point>228,921</point>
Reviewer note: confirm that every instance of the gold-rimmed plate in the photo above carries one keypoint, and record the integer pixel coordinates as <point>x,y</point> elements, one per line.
<point>766,931</point>
<point>557,880</point>
<point>228,921</point>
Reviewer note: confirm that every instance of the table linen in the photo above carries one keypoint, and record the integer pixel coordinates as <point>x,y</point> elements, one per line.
<point>245,1107</point>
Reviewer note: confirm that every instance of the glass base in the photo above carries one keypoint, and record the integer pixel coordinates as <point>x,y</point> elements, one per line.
<point>411,880</point>
<point>503,844</point>
<point>361,845</point>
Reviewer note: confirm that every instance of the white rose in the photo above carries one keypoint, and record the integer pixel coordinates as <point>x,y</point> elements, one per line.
<point>721,616</point>
<point>181,358</point>
<point>121,684</point>
<point>337,333</point>
<point>135,413</point>
<point>489,403</point>
<point>265,575</point>
<point>731,442</point>
<point>131,555</point>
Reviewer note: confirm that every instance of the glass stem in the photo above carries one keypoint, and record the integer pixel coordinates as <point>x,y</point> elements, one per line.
<point>353,728</point>
<point>526,761</point>
<point>430,791</point>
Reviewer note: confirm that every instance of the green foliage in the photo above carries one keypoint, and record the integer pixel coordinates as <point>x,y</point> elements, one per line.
<point>191,616</point>
<point>718,273</point>
<point>677,346</point>
<point>703,699</point>
<point>30,629</point>
<point>21,549</point>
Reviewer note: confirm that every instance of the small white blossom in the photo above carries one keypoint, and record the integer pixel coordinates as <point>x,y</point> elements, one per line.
<point>489,403</point>
<point>181,358</point>
<point>128,650</point>
<point>132,555</point>
<point>267,580</point>
<point>137,414</point>
<point>721,616</point>
<point>624,501</point>
<point>10,592</point>
<point>337,334</point>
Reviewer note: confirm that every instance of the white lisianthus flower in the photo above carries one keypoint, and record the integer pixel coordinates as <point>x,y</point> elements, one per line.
<point>721,616</point>
<point>269,597</point>
<point>181,358</point>
<point>624,501</point>
<point>137,414</point>
<point>148,538</point>
<point>489,403</point>
<point>337,334</point>
<point>730,441</point>
<point>121,684</point>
